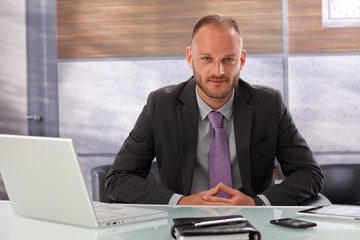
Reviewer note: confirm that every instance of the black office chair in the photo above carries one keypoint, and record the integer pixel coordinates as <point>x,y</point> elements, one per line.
<point>98,175</point>
<point>342,183</point>
<point>318,200</point>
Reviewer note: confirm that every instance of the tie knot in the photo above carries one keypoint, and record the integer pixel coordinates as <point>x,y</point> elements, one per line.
<point>215,119</point>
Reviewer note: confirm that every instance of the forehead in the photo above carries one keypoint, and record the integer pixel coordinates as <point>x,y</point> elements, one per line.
<point>214,38</point>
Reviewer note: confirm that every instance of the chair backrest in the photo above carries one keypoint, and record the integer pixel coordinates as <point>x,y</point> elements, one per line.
<point>98,175</point>
<point>317,200</point>
<point>342,183</point>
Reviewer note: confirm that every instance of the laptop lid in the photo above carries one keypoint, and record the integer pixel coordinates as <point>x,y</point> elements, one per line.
<point>43,179</point>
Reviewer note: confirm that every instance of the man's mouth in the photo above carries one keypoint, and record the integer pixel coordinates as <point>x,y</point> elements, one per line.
<point>217,80</point>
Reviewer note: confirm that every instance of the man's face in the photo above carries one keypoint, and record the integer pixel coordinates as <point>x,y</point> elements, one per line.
<point>216,57</point>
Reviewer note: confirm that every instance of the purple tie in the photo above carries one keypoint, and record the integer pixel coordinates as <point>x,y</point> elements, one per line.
<point>219,160</point>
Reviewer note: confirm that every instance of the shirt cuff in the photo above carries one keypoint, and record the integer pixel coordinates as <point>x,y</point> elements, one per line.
<point>175,199</point>
<point>264,199</point>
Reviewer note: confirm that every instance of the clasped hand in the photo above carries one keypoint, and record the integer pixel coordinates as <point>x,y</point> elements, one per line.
<point>236,198</point>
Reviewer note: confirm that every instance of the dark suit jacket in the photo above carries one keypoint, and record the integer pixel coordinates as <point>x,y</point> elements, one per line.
<point>167,129</point>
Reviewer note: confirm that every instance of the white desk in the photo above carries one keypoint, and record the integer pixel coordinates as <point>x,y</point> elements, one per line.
<point>16,227</point>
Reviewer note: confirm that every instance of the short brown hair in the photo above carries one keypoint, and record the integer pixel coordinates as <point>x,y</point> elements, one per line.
<point>219,20</point>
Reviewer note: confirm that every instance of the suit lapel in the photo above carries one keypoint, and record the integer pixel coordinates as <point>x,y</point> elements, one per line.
<point>188,122</point>
<point>243,114</point>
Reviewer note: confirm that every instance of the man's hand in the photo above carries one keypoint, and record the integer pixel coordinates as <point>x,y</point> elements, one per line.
<point>209,197</point>
<point>237,198</point>
<point>198,198</point>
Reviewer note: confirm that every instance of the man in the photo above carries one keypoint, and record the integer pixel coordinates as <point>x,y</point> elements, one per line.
<point>174,127</point>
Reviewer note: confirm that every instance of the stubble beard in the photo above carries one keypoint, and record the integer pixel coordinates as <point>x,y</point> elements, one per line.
<point>212,94</point>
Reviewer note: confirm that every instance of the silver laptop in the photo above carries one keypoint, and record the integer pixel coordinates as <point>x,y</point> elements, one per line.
<point>43,179</point>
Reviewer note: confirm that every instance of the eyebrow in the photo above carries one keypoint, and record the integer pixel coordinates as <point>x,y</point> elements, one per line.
<point>226,56</point>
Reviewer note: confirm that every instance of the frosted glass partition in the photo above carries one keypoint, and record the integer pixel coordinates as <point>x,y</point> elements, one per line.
<point>337,158</point>
<point>324,96</point>
<point>267,71</point>
<point>99,101</point>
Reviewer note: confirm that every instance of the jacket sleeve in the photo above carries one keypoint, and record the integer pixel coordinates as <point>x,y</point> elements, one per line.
<point>126,181</point>
<point>303,176</point>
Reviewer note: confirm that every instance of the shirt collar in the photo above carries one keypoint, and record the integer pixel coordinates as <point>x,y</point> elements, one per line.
<point>225,110</point>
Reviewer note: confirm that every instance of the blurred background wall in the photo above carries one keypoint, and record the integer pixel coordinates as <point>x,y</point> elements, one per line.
<point>13,73</point>
<point>96,62</point>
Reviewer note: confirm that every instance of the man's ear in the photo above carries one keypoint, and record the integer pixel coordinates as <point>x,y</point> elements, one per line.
<point>189,57</point>
<point>242,59</point>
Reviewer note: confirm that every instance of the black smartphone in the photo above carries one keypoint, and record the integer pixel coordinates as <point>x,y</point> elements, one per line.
<point>293,223</point>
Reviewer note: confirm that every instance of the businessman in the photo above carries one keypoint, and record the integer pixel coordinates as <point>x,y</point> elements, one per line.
<point>215,137</point>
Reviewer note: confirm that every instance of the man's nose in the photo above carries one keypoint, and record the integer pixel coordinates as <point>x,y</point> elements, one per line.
<point>219,68</point>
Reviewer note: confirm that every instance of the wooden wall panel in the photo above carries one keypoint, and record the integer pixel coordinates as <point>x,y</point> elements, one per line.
<point>306,34</point>
<point>120,28</point>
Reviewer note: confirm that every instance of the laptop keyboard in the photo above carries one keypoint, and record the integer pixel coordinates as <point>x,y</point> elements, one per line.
<point>106,216</point>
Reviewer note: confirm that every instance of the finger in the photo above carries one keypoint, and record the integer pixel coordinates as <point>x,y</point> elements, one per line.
<point>228,190</point>
<point>214,199</point>
<point>212,191</point>
<point>210,200</point>
<point>217,204</point>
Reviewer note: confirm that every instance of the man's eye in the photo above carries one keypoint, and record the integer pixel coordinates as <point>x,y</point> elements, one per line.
<point>206,59</point>
<point>229,60</point>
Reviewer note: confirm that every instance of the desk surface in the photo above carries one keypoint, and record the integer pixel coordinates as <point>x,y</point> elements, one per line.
<point>16,227</point>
